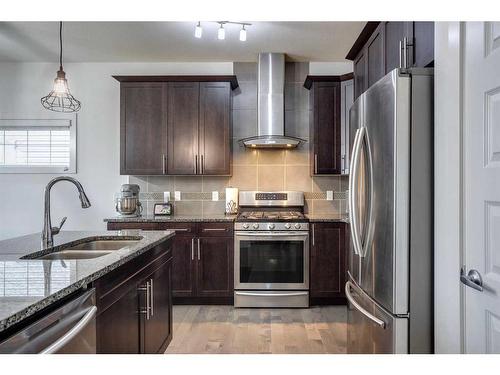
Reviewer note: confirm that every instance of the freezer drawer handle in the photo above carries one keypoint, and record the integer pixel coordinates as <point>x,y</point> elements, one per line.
<point>68,336</point>
<point>351,299</point>
<point>292,294</point>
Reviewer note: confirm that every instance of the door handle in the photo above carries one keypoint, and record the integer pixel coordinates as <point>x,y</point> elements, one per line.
<point>351,201</point>
<point>192,248</point>
<point>401,54</point>
<point>473,279</point>
<point>202,162</point>
<point>164,163</point>
<point>196,164</point>
<point>313,226</point>
<point>358,307</point>
<point>75,330</point>
<point>151,296</point>
<point>199,255</point>
<point>148,300</point>
<point>315,163</point>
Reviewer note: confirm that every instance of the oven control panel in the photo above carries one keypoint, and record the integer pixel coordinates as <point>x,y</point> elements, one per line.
<point>271,196</point>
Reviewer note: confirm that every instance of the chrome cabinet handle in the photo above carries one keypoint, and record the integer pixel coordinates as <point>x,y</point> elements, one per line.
<point>401,54</point>
<point>358,307</point>
<point>315,163</point>
<point>181,229</point>
<point>473,279</point>
<point>313,226</point>
<point>214,229</point>
<point>164,163</point>
<point>196,164</point>
<point>148,299</point>
<point>192,248</point>
<point>68,336</point>
<point>152,296</point>
<point>202,162</point>
<point>199,255</point>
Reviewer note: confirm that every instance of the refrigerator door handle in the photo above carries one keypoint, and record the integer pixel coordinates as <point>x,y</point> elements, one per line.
<point>369,231</point>
<point>358,307</point>
<point>352,188</point>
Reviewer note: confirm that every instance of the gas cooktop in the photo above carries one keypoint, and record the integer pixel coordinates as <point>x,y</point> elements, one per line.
<point>265,216</point>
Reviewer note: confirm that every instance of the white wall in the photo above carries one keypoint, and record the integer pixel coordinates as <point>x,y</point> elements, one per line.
<point>448,196</point>
<point>330,68</point>
<point>21,87</point>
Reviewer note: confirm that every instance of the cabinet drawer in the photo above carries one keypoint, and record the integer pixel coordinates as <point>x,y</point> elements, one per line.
<point>215,229</point>
<point>181,229</point>
<point>133,225</point>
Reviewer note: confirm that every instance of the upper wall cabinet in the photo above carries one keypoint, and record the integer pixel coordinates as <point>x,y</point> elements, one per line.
<point>176,125</point>
<point>327,128</point>
<point>384,46</point>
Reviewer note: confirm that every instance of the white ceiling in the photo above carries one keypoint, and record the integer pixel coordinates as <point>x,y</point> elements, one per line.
<point>174,41</point>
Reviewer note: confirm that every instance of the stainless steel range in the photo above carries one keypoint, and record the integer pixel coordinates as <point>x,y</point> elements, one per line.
<point>271,252</point>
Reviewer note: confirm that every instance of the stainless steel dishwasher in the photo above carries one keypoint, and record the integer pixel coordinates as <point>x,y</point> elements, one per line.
<point>70,329</point>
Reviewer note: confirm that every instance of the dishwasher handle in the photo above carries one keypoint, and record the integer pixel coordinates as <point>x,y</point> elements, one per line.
<point>72,333</point>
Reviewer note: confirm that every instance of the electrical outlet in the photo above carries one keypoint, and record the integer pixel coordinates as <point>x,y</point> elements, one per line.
<point>166,196</point>
<point>329,195</point>
<point>177,195</point>
<point>215,195</point>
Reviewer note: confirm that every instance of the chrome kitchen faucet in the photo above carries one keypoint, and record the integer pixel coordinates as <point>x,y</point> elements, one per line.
<point>48,230</point>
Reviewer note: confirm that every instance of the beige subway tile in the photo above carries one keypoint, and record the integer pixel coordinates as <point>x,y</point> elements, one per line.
<point>213,207</point>
<point>326,207</point>
<point>298,156</point>
<point>298,178</point>
<point>244,177</point>
<point>271,157</point>
<point>161,183</point>
<point>324,183</point>
<point>271,178</point>
<point>188,207</point>
<point>188,183</point>
<point>243,155</point>
<point>214,183</point>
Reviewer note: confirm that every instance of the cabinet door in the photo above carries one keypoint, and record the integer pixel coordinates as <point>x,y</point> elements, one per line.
<point>327,260</point>
<point>157,330</point>
<point>142,128</point>
<point>375,56</point>
<point>182,128</point>
<point>215,128</point>
<point>183,270</point>
<point>327,128</point>
<point>423,39</point>
<point>215,267</point>
<point>118,326</point>
<point>395,31</point>
<point>360,81</point>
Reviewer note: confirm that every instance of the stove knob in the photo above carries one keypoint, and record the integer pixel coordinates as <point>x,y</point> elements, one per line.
<point>255,226</point>
<point>287,226</point>
<point>297,226</point>
<point>245,226</point>
<point>271,226</point>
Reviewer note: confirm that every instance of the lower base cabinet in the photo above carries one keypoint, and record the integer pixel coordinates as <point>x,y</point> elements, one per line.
<point>328,266</point>
<point>134,304</point>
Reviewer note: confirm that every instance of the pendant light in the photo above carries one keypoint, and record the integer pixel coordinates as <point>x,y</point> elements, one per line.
<point>60,98</point>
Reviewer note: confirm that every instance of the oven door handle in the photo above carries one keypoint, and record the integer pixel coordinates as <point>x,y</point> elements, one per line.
<point>253,294</point>
<point>272,234</point>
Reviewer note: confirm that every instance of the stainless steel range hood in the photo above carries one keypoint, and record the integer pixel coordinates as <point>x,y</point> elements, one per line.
<point>271,105</point>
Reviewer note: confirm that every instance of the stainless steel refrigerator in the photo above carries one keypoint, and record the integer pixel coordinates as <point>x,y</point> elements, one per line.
<point>390,273</point>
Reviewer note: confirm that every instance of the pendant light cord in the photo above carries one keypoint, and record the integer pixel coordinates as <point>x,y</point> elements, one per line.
<point>60,45</point>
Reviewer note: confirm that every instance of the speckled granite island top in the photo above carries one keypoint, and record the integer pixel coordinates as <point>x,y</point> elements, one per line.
<point>172,218</point>
<point>29,285</point>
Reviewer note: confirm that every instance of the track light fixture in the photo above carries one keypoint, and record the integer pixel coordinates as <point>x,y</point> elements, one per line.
<point>221,31</point>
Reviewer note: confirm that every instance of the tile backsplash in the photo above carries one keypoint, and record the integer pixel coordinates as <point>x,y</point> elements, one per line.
<point>255,169</point>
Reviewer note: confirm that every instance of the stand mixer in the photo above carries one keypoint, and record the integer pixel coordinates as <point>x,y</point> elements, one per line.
<point>127,201</point>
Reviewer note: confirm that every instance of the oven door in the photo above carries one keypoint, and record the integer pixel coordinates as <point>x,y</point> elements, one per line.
<point>271,260</point>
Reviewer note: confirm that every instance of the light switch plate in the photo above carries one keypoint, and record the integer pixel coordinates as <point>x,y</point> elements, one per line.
<point>177,195</point>
<point>215,195</point>
<point>166,196</point>
<point>329,195</point>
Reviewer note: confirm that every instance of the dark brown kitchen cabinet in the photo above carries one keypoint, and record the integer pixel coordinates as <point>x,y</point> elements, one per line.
<point>202,261</point>
<point>326,133</point>
<point>328,267</point>
<point>134,304</point>
<point>215,267</point>
<point>381,48</point>
<point>215,129</point>
<point>176,125</point>
<point>182,127</point>
<point>157,327</point>
<point>142,107</point>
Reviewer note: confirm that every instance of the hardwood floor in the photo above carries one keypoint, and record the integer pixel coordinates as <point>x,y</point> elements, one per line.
<point>224,329</point>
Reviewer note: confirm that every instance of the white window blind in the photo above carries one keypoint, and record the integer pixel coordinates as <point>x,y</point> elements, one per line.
<point>37,145</point>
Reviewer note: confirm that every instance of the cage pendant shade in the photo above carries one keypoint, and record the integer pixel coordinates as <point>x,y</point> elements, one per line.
<point>60,98</point>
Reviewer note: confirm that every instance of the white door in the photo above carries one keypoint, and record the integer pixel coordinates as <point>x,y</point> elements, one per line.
<point>482,186</point>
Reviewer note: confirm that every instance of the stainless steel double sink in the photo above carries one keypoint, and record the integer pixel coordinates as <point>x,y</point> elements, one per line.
<point>90,249</point>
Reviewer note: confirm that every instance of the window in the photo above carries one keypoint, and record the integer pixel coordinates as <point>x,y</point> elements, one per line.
<point>38,145</point>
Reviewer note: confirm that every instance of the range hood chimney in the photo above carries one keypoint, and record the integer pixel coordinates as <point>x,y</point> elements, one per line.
<point>271,105</point>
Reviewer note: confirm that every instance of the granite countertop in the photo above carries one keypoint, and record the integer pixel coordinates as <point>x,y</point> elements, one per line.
<point>322,218</point>
<point>29,285</point>
<point>172,218</point>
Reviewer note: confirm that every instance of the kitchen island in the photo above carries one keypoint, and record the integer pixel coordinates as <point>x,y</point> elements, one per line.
<point>32,286</point>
